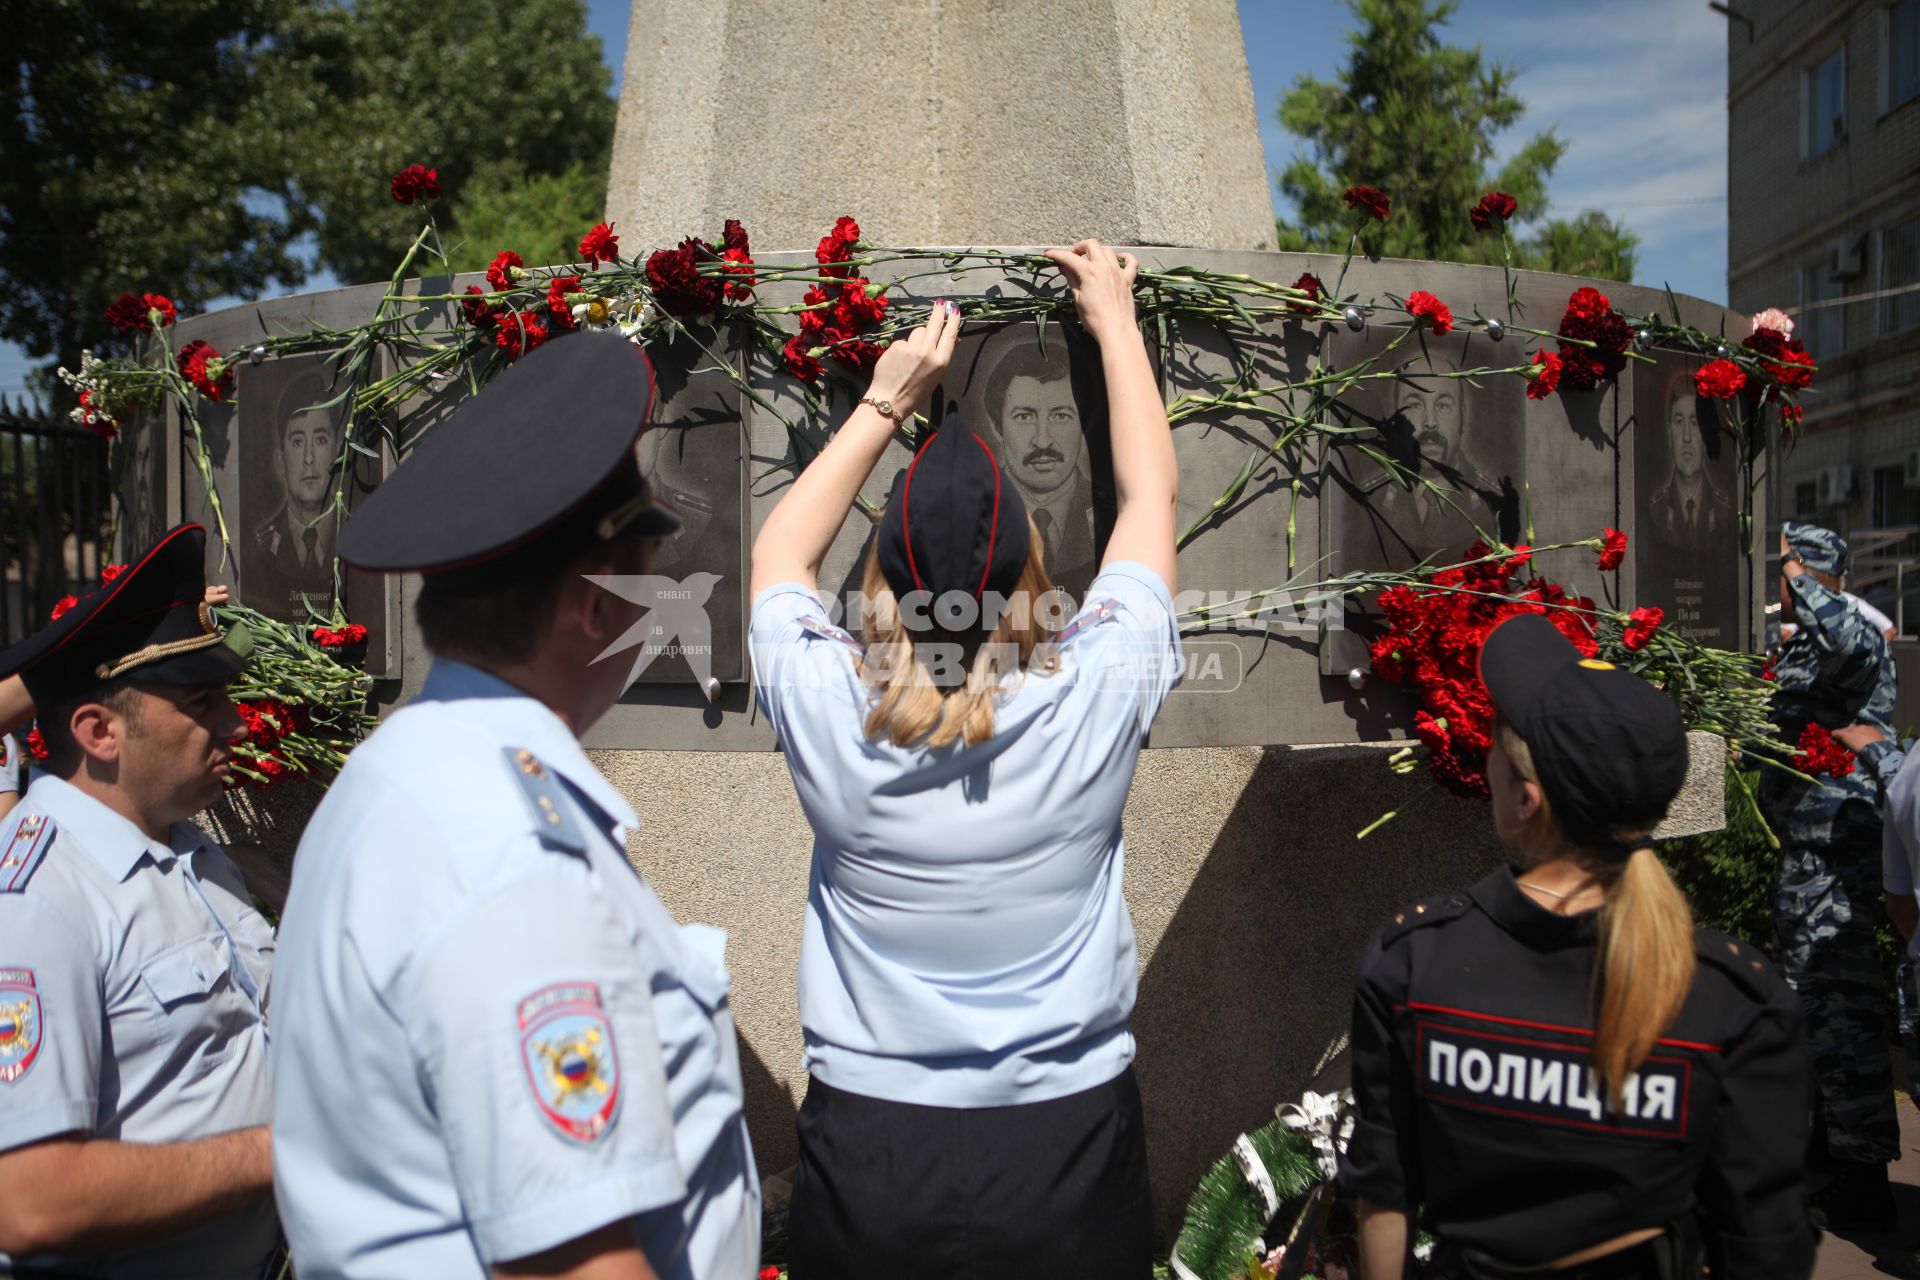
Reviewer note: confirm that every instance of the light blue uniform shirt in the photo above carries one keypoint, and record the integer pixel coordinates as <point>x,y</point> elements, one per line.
<point>134,982</point>
<point>491,1038</point>
<point>967,943</point>
<point>1900,835</point>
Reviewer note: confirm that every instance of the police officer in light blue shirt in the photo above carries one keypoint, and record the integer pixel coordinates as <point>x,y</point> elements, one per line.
<point>968,963</point>
<point>496,1053</point>
<point>135,975</point>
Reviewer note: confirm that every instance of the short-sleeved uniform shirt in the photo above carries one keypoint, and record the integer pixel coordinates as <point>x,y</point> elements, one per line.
<point>1476,1103</point>
<point>1900,835</point>
<point>966,941</point>
<point>492,1038</point>
<point>134,983</point>
<point>9,764</point>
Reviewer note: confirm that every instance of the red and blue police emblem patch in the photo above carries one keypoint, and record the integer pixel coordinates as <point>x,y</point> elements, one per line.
<point>19,1023</point>
<point>567,1045</point>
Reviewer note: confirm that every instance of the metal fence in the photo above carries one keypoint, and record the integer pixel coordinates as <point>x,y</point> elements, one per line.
<point>56,514</point>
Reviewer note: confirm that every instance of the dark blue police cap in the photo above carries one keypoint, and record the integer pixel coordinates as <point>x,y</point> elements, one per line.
<point>150,624</point>
<point>1610,749</point>
<point>551,434</point>
<point>954,521</point>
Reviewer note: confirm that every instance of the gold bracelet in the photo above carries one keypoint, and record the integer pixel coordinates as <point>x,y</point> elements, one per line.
<point>885,409</point>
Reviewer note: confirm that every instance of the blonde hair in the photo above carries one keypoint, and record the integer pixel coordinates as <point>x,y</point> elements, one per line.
<point>1644,963</point>
<point>910,706</point>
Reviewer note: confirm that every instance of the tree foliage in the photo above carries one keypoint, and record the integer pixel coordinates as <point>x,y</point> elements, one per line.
<point>137,152</point>
<point>1417,118</point>
<point>540,217</point>
<point>185,148</point>
<point>496,96</point>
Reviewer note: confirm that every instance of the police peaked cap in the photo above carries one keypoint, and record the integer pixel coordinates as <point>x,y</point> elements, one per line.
<point>1609,748</point>
<point>954,521</point>
<point>536,445</point>
<point>151,624</point>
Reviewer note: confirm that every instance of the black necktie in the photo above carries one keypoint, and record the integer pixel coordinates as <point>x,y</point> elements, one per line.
<point>1043,519</point>
<point>313,548</point>
<point>1689,515</point>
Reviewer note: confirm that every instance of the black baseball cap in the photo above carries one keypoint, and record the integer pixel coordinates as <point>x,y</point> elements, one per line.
<point>954,521</point>
<point>150,624</point>
<point>1610,748</point>
<point>551,435</point>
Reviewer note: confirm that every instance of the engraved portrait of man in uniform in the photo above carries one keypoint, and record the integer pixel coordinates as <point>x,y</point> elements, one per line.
<point>1686,541</point>
<point>287,487</point>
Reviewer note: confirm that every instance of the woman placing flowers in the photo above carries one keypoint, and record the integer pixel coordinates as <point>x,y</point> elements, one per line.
<point>968,964</point>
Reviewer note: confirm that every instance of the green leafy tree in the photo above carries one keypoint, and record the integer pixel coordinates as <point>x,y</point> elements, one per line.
<point>540,217</point>
<point>1416,118</point>
<point>499,98</point>
<point>137,153</point>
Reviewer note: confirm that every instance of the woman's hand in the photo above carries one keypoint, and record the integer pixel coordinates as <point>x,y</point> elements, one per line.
<point>217,593</point>
<point>912,367</point>
<point>1101,282</point>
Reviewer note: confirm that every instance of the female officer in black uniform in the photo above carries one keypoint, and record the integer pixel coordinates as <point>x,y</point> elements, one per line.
<point>1554,1069</point>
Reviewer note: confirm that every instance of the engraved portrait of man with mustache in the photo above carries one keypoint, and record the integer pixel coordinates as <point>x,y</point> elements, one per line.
<point>1047,427</point>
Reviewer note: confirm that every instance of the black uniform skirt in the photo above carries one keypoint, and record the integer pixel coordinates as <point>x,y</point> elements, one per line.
<point>890,1189</point>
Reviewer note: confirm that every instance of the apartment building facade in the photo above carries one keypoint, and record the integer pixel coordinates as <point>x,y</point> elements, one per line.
<point>1823,119</point>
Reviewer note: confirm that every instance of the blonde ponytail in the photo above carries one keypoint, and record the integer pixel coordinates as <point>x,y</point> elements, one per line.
<point>1643,968</point>
<point>910,707</point>
<point>1643,964</point>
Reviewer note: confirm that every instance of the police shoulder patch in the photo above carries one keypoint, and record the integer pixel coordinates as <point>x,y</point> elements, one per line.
<point>1091,616</point>
<point>572,1064</point>
<point>1745,964</point>
<point>827,631</point>
<point>1418,915</point>
<point>22,851</point>
<point>20,1036</point>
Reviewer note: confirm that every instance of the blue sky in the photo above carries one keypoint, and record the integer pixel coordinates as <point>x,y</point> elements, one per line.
<point>1637,88</point>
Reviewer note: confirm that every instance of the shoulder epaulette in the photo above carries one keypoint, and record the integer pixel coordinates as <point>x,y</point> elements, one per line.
<point>25,848</point>
<point>1090,617</point>
<point>1749,968</point>
<point>540,787</point>
<point>1419,915</point>
<point>827,631</point>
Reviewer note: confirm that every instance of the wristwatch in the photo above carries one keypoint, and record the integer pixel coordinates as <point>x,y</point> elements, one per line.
<point>885,409</point>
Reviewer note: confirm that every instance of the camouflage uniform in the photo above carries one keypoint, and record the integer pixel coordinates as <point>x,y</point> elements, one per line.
<point>1828,901</point>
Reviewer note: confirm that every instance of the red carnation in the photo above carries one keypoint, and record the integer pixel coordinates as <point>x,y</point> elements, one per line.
<point>1766,671</point>
<point>519,334</point>
<point>37,745</point>
<point>739,274</point>
<point>799,363</point>
<point>559,310</point>
<point>129,313</point>
<point>1420,303</point>
<point>202,366</point>
<point>855,354</point>
<point>1719,380</point>
<point>1786,360</point>
<point>674,276</point>
<point>1819,753</point>
<point>1545,376</point>
<point>1641,624</point>
<point>1790,415</point>
<point>479,312</point>
<point>61,606</point>
<point>734,236</point>
<point>339,638</point>
<point>1591,317</point>
<point>837,246</point>
<point>1494,204</point>
<point>819,310</point>
<point>500,271</point>
<point>110,572</point>
<point>599,245</point>
<point>857,309</point>
<point>1613,550</point>
<point>1316,292</point>
<point>1374,204</point>
<point>415,182</point>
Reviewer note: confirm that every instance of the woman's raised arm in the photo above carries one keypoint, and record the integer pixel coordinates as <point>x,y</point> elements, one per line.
<point>1146,477</point>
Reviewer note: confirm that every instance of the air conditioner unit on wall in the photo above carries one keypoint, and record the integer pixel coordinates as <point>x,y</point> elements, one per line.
<point>1834,485</point>
<point>1910,473</point>
<point>1849,258</point>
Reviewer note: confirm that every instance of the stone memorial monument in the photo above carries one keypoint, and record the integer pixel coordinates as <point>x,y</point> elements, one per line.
<point>1025,123</point>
